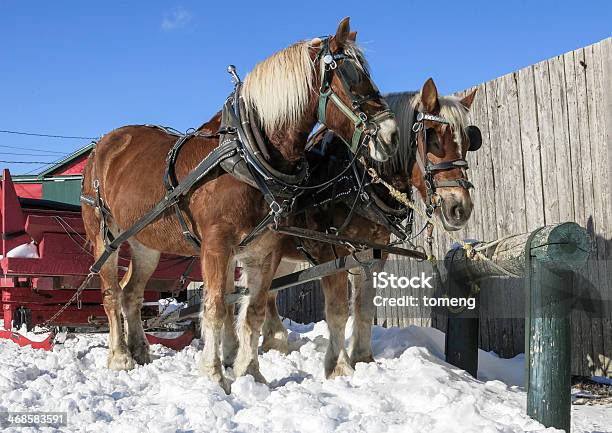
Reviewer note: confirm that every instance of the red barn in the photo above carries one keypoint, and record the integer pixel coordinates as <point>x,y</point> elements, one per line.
<point>60,182</point>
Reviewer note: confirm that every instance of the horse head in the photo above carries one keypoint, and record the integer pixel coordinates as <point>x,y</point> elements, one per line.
<point>442,139</point>
<point>325,80</point>
<point>361,116</point>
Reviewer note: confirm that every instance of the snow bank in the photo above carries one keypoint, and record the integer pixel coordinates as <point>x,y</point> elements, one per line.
<point>408,389</point>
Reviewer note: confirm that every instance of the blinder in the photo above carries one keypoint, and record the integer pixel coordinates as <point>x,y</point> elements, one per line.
<point>474,136</point>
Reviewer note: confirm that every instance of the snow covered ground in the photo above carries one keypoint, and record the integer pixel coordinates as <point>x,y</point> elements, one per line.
<point>408,389</point>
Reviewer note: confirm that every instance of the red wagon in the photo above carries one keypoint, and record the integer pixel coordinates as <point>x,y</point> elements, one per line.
<point>45,257</point>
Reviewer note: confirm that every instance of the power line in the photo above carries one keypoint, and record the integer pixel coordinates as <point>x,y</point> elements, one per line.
<point>32,148</point>
<point>27,154</point>
<point>27,162</point>
<point>38,167</point>
<point>35,134</point>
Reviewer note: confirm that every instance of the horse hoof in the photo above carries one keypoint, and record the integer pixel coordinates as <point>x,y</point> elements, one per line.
<point>120,361</point>
<point>342,368</point>
<point>215,373</point>
<point>253,370</point>
<point>363,358</point>
<point>141,355</point>
<point>278,340</point>
<point>275,344</point>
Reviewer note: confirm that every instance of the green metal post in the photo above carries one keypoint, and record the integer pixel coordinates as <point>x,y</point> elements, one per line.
<point>549,299</point>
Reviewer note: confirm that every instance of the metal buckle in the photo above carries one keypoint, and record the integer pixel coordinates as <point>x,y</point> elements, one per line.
<point>374,128</point>
<point>417,126</point>
<point>276,208</point>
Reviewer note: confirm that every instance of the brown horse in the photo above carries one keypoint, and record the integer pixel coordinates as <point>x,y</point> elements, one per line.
<point>446,143</point>
<point>127,170</point>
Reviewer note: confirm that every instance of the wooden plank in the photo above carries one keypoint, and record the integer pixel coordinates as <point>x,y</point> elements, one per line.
<point>547,142</point>
<point>531,143</point>
<point>587,185</point>
<point>581,341</point>
<point>497,226</point>
<point>605,58</point>
<point>561,139</point>
<point>603,67</point>
<point>511,175</point>
<point>601,186</point>
<point>487,205</point>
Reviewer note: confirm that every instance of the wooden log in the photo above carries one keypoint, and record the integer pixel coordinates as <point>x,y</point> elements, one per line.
<point>565,246</point>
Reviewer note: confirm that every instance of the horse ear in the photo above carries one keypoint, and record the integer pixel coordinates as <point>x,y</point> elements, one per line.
<point>342,34</point>
<point>469,98</point>
<point>352,36</point>
<point>429,97</point>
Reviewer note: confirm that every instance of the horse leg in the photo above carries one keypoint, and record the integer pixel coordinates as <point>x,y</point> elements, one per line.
<point>363,292</point>
<point>119,357</point>
<point>252,314</point>
<point>229,343</point>
<point>143,264</point>
<point>216,259</point>
<point>275,334</point>
<point>336,315</point>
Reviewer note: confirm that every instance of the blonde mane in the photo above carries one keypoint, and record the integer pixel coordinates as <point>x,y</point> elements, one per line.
<point>405,105</point>
<point>279,88</point>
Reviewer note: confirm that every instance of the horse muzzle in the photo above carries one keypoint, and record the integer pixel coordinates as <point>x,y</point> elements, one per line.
<point>455,208</point>
<point>385,141</point>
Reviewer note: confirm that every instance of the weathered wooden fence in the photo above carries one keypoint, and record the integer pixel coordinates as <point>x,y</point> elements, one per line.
<point>545,159</point>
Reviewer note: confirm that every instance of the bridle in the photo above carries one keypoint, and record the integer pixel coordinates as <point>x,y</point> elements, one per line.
<point>365,128</point>
<point>429,169</point>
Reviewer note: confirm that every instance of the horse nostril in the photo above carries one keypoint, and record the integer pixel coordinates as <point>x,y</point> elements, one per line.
<point>457,212</point>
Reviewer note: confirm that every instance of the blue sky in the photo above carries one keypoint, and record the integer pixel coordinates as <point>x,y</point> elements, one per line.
<point>83,68</point>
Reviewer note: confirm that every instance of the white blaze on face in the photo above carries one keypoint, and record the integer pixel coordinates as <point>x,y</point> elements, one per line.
<point>386,141</point>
